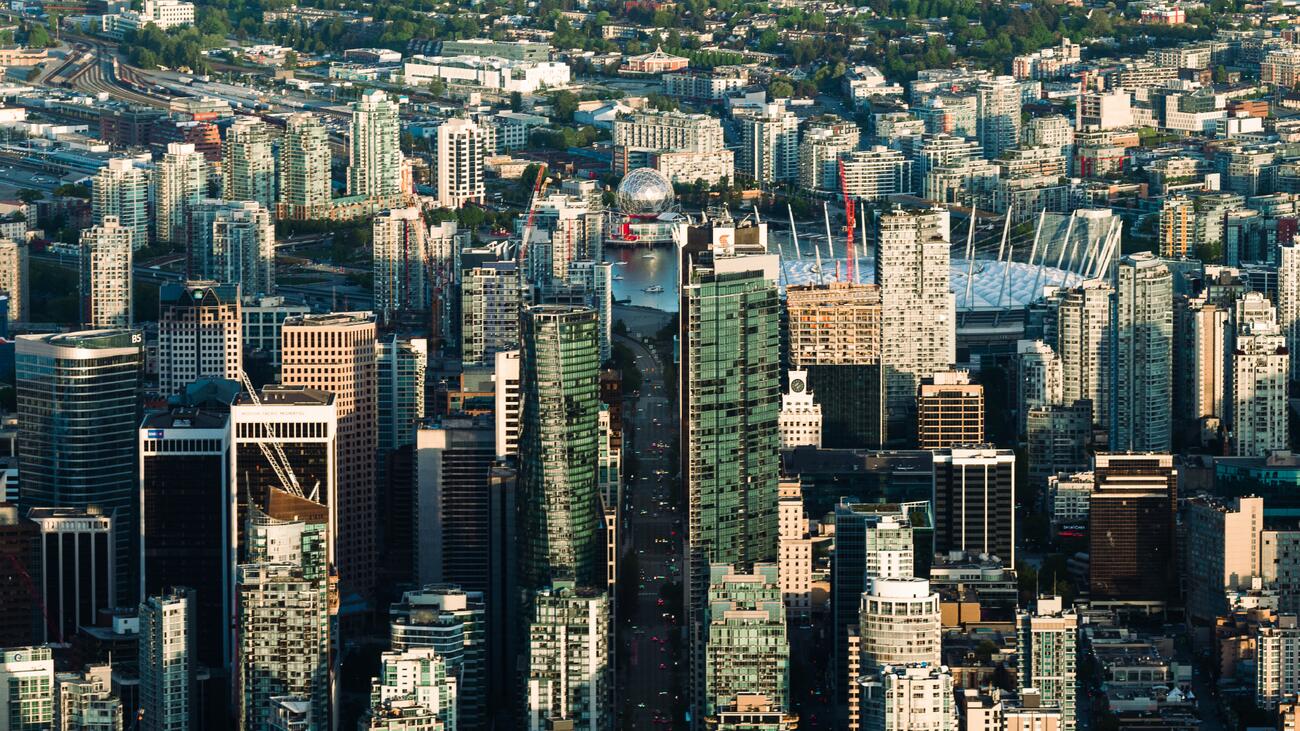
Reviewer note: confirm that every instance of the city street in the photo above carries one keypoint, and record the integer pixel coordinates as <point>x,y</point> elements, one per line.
<point>649,630</point>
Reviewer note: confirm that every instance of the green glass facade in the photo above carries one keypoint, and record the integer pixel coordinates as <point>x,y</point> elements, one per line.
<point>748,651</point>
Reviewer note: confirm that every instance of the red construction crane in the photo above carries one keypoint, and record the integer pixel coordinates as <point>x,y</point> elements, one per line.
<point>532,214</point>
<point>850,224</point>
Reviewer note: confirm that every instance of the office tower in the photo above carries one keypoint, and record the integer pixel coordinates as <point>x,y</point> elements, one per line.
<point>284,611</point>
<point>453,623</point>
<point>450,515</point>
<point>76,561</point>
<point>911,697</point>
<point>898,624</point>
<point>20,614</point>
<point>1288,299</point>
<point>458,163</point>
<point>1203,342</point>
<point>1047,647</point>
<point>198,334</point>
<point>570,674</point>
<point>998,124</point>
<point>769,144</point>
<point>917,327</point>
<point>560,371</point>
<point>794,552</point>
<point>374,155</point>
<point>1222,551</point>
<point>949,411</point>
<point>263,319</point>
<point>824,140</point>
<point>179,181</point>
<point>1083,342</point>
<point>595,281</point>
<point>491,300</point>
<point>800,421</point>
<point>77,419</point>
<point>975,501</point>
<point>14,277</point>
<point>402,364</point>
<point>233,242</point>
<point>304,168</point>
<point>834,335</point>
<point>106,275</point>
<point>400,261</point>
<point>336,352</point>
<point>121,190</point>
<point>186,525</point>
<point>27,688</point>
<point>1131,532</point>
<point>1039,380</point>
<point>747,650</point>
<point>414,683</point>
<point>248,163</point>
<point>1057,439</point>
<point>507,402</point>
<point>169,633</point>
<point>1142,354</point>
<point>85,701</point>
<point>1260,368</point>
<point>1276,649</point>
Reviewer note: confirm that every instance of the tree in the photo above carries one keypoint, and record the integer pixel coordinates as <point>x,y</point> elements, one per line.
<point>27,195</point>
<point>516,101</point>
<point>437,86</point>
<point>780,89</point>
<point>564,104</point>
<point>291,59</point>
<point>38,36</point>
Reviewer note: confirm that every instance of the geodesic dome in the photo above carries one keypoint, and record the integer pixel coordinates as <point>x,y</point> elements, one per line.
<point>644,191</point>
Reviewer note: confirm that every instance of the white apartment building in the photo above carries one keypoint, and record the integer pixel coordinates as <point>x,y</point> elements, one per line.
<point>998,123</point>
<point>1068,497</point>
<point>400,247</point>
<point>1083,327</point>
<point>121,190</point>
<point>1047,647</point>
<point>1142,377</point>
<point>458,163</point>
<point>233,242</point>
<point>669,131</point>
<point>374,152</point>
<point>14,277</point>
<point>824,140</point>
<point>168,661</point>
<point>912,697</point>
<point>506,401</point>
<point>688,167</point>
<point>570,674</point>
<point>794,551</point>
<point>898,623</point>
<point>248,163</point>
<point>1261,365</point>
<point>876,174</point>
<point>1039,380</point>
<point>179,180</point>
<point>106,275</point>
<point>1277,662</point>
<point>769,144</point>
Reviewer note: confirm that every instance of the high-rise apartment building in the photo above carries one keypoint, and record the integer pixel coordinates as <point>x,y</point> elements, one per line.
<point>106,275</point>
<point>570,680</point>
<point>769,147</point>
<point>121,190</point>
<point>507,402</point>
<point>975,501</point>
<point>78,407</point>
<point>824,140</point>
<point>1202,350</point>
<point>233,242</point>
<point>491,298</point>
<point>263,319</point>
<point>180,179</point>
<point>1288,299</point>
<point>911,697</point>
<point>248,163</point>
<point>594,282</point>
<point>1083,342</point>
<point>451,508</point>
<point>1047,646</point>
<point>14,277</point>
<point>304,168</point>
<point>403,363</point>
<point>336,353</point>
<point>998,123</point>
<point>558,442</point>
<point>834,335</point>
<point>917,323</point>
<point>1277,659</point>
<point>1039,379</point>
<point>645,135</point>
<point>748,650</point>
<point>374,153</point>
<point>1142,353</point>
<point>794,552</point>
<point>400,245</point>
<point>85,701</point>
<point>949,411</point>
<point>1222,552</point>
<point>453,623</point>
<point>875,174</point>
<point>458,163</point>
<point>79,568</point>
<point>1261,365</point>
<point>168,661</point>
<point>419,687</point>
<point>898,624</point>
<point>198,334</point>
<point>27,688</point>
<point>1131,535</point>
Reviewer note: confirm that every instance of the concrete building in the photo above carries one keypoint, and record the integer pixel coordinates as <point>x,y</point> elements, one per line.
<point>1288,300</point>
<point>794,552</point>
<point>180,179</point>
<point>507,403</point>
<point>1003,711</point>
<point>233,242</point>
<point>14,277</point>
<point>1131,535</point>
<point>85,701</point>
<point>121,190</point>
<point>106,275</point>
<point>1203,337</point>
<point>452,623</point>
<point>27,688</point>
<point>263,319</point>
<point>687,166</point>
<point>415,680</point>
<point>800,422</point>
<point>474,73</point>
<point>198,334</point>
<point>451,512</point>
<point>400,249</point>
<point>769,149</point>
<point>458,163</point>
<point>669,131</point>
<point>1068,498</point>
<point>748,650</point>
<point>1260,369</point>
<point>169,661</point>
<point>876,174</point>
<point>1047,647</point>
<point>974,501</point>
<point>1142,353</point>
<point>1039,380</point>
<point>1058,439</point>
<point>1277,655</point>
<point>570,670</point>
<point>949,411</point>
<point>917,309</point>
<point>491,303</point>
<point>998,123</point>
<point>909,697</point>
<point>899,624</point>
<point>248,163</point>
<point>1222,552</point>
<point>305,190</point>
<point>824,140</point>
<point>76,564</point>
<point>374,155</point>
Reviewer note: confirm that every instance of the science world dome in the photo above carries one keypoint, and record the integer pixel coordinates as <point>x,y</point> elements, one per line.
<point>644,192</point>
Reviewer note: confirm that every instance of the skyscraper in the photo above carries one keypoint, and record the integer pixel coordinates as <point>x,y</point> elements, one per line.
<point>450,512</point>
<point>570,674</point>
<point>20,616</point>
<point>998,123</point>
<point>1038,382</point>
<point>949,411</point>
<point>199,334</point>
<point>1202,352</point>
<point>77,416</point>
<point>232,242</point>
<point>304,168</point>
<point>121,190</point>
<point>453,623</point>
<point>106,275</point>
<point>1142,353</point>
<point>79,568</point>
<point>336,352</point>
<point>416,683</point>
<point>975,501</point>
<point>898,624</point>
<point>179,181</point>
<point>1047,646</point>
<point>27,687</point>
<point>1260,367</point>
<point>560,502</point>
<point>248,163</point>
<point>747,650</point>
<point>1288,299</point>
<point>918,329</point>
<point>402,366</point>
<point>85,700</point>
<point>458,163</point>
<point>1083,342</point>
<point>1131,534</point>
<point>769,150</point>
<point>491,299</point>
<point>168,661</point>
<point>400,245</point>
<point>911,697</point>
<point>374,155</point>
<point>14,277</point>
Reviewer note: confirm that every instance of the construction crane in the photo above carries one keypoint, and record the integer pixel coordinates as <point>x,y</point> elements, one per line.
<point>273,453</point>
<point>849,224</point>
<point>538,186</point>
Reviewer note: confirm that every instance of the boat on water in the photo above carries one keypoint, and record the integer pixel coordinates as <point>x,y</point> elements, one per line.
<point>618,277</point>
<point>653,289</point>
<point>648,255</point>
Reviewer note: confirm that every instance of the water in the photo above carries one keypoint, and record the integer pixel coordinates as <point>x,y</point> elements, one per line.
<point>640,272</point>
